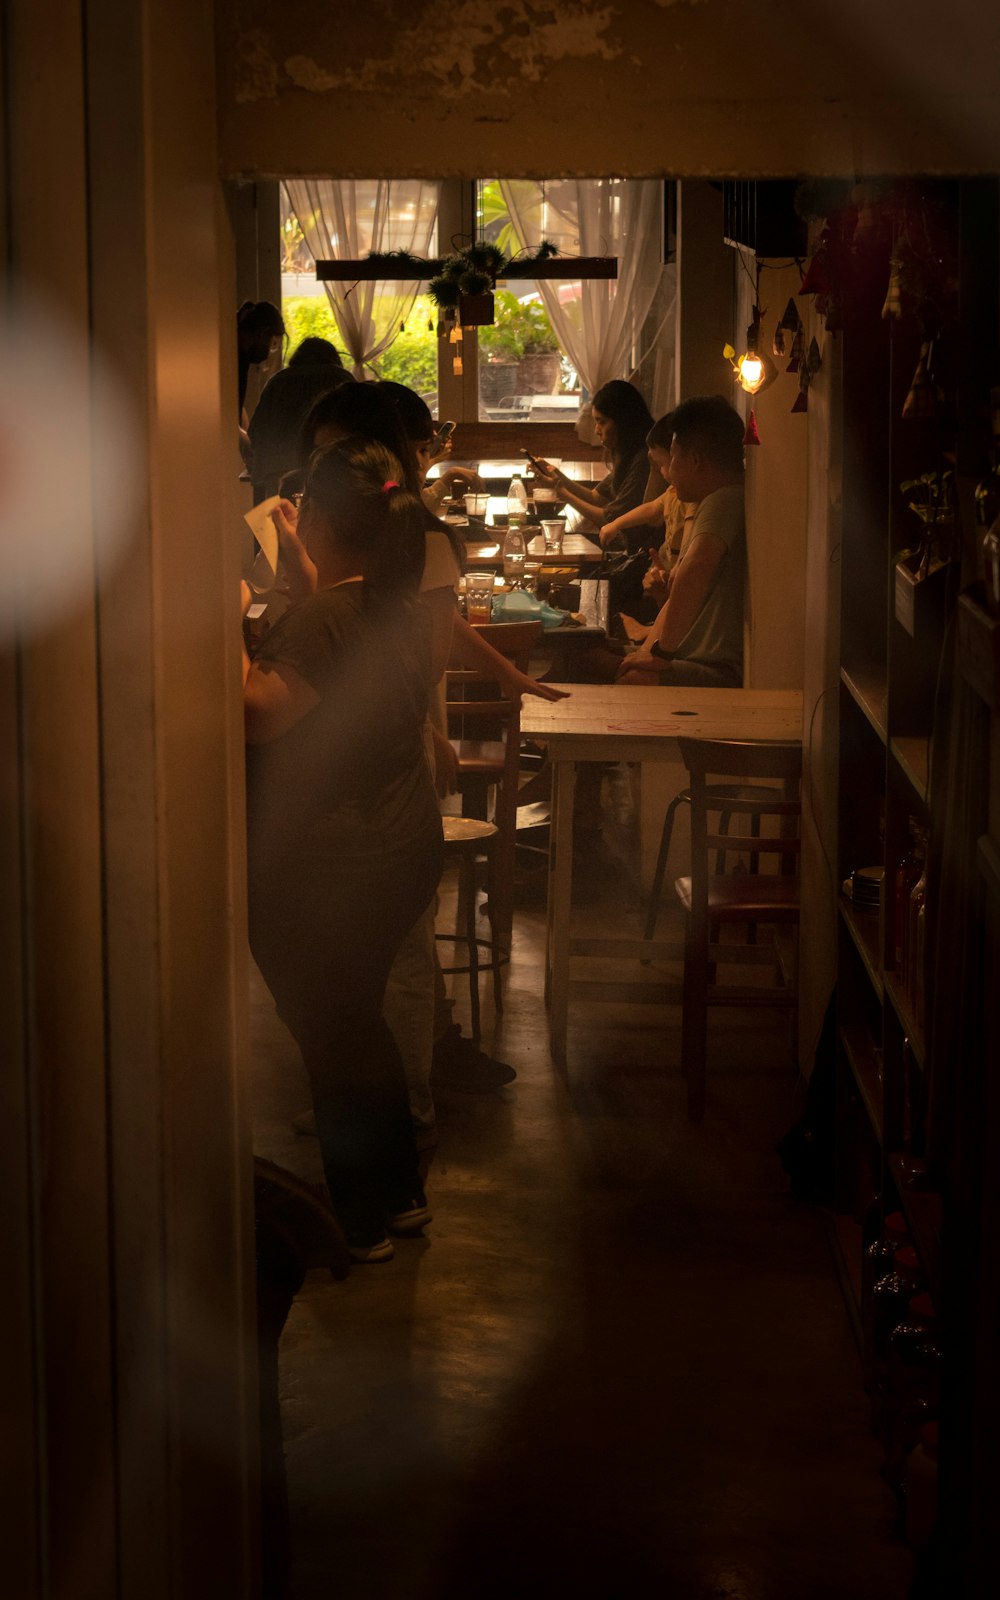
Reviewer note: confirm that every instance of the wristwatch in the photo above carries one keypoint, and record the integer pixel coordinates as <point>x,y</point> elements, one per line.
<point>664,655</point>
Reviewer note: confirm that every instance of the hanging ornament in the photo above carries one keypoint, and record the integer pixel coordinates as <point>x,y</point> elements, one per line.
<point>893,307</point>
<point>751,436</point>
<point>808,367</point>
<point>798,345</point>
<point>816,280</point>
<point>922,398</point>
<point>778,342</point>
<point>791,319</point>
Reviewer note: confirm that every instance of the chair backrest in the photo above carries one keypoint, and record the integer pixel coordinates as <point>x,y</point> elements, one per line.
<point>741,761</point>
<point>515,640</point>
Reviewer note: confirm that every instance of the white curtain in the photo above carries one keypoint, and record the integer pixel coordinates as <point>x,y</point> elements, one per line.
<point>344,219</point>
<point>605,330</point>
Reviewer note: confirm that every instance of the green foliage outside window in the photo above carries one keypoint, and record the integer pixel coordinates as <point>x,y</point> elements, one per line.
<point>410,359</point>
<point>522,328</point>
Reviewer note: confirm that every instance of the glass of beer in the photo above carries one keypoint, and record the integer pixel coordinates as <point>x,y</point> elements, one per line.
<point>478,596</point>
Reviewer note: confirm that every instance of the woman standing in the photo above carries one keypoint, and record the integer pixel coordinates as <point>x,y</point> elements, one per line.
<point>345,845</point>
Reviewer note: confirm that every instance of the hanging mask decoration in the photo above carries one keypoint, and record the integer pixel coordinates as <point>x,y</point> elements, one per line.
<point>816,280</point>
<point>778,342</point>
<point>790,319</point>
<point>808,368</point>
<point>922,398</point>
<point>798,348</point>
<point>751,436</point>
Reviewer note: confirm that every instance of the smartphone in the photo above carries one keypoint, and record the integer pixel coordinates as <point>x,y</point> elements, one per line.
<point>531,458</point>
<point>442,436</point>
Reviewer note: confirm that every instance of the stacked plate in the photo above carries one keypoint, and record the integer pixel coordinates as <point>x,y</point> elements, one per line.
<point>864,887</point>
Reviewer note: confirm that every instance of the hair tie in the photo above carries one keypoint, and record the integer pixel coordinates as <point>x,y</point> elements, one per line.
<point>390,483</point>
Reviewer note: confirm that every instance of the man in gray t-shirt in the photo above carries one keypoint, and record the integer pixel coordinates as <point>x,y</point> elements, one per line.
<point>697,639</point>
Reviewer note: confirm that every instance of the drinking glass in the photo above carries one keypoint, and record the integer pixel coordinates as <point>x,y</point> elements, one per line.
<point>552,534</point>
<point>478,596</point>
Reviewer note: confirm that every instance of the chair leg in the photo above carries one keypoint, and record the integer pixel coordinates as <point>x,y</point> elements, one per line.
<point>495,953</point>
<point>661,866</point>
<point>469,887</point>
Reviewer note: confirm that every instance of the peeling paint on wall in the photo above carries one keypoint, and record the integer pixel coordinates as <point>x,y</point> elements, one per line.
<point>485,48</point>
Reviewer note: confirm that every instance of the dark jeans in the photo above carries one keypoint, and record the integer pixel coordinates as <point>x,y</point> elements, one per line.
<point>324,935</point>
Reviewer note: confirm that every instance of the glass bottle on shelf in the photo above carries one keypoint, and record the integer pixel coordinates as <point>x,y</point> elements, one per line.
<point>904,877</point>
<point>914,955</point>
<point>877,1260</point>
<point>913,1383</point>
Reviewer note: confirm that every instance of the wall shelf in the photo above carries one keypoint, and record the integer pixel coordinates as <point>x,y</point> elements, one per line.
<point>863,927</point>
<point>867,689</point>
<point>862,1058</point>
<point>904,1011</point>
<point>912,755</point>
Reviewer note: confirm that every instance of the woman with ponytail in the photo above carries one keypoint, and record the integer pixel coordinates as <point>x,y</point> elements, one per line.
<point>344,831</point>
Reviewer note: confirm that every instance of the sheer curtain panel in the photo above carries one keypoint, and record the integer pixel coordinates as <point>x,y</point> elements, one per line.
<point>604,326</point>
<point>344,218</point>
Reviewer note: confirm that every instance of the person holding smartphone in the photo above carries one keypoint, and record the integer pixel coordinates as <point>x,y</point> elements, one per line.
<point>621,421</point>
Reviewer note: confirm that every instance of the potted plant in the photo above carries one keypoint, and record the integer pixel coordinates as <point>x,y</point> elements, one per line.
<point>522,336</point>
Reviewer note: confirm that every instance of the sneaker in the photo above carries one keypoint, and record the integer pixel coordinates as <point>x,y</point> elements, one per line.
<point>459,1064</point>
<point>411,1219</point>
<point>368,1254</point>
<point>305,1124</point>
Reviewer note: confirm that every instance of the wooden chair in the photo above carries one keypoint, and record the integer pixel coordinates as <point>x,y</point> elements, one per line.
<point>485,730</point>
<point>715,899</point>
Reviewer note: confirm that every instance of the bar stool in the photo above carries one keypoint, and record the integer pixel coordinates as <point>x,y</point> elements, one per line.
<point>468,840</point>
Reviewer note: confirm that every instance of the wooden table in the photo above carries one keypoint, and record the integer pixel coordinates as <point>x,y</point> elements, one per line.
<point>577,551</point>
<point>619,723</point>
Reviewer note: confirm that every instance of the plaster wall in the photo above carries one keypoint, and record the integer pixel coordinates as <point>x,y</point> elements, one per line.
<point>641,87</point>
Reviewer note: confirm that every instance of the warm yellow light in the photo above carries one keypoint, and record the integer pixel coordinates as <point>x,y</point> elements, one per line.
<point>750,370</point>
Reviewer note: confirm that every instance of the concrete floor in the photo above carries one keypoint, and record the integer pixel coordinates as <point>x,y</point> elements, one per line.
<point>618,1365</point>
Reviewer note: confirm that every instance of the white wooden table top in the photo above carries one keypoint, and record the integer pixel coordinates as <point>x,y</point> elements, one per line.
<point>631,722</point>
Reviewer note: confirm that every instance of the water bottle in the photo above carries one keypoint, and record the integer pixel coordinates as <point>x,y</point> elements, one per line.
<point>517,502</point>
<point>513,557</point>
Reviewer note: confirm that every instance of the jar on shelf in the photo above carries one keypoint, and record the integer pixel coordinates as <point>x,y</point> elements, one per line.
<point>876,1261</point>
<point>891,1297</point>
<point>913,1383</point>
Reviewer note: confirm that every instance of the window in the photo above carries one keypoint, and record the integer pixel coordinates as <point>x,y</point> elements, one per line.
<point>531,366</point>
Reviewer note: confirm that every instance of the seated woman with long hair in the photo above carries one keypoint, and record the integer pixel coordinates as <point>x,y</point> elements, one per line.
<point>345,847</point>
<point>621,421</point>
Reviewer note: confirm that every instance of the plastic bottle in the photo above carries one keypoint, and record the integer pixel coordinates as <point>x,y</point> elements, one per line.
<point>517,502</point>
<point>514,550</point>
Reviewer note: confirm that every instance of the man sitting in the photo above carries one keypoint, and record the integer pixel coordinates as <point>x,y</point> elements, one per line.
<point>697,638</point>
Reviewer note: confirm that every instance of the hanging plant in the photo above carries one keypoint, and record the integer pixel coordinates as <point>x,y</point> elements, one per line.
<point>463,282</point>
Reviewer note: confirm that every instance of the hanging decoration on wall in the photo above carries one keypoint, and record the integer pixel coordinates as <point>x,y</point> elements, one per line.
<point>798,346</point>
<point>923,394</point>
<point>808,368</point>
<point>751,436</point>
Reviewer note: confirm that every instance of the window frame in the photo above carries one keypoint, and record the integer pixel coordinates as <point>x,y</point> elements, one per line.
<point>458,396</point>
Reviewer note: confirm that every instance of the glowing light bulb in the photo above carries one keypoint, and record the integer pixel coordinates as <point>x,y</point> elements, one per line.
<point>751,372</point>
